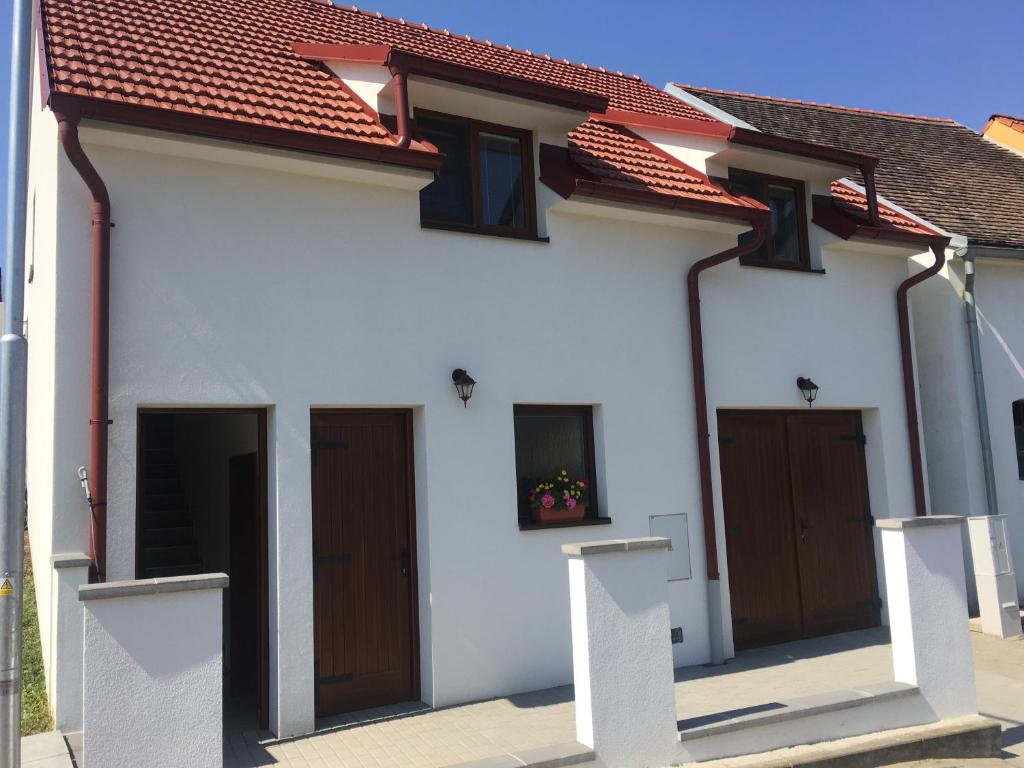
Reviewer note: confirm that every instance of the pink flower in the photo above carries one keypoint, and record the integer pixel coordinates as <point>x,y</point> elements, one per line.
<point>570,503</point>
<point>547,501</point>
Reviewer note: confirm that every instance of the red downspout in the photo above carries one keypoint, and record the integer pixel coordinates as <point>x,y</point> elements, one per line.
<point>401,80</point>
<point>761,226</point>
<point>98,420</point>
<point>909,384</point>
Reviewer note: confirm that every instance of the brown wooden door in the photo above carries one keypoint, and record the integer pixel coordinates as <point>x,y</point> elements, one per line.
<point>363,561</point>
<point>797,525</point>
<point>763,580</point>
<point>833,522</point>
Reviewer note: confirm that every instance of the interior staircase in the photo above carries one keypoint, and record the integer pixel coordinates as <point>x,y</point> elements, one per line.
<point>168,537</point>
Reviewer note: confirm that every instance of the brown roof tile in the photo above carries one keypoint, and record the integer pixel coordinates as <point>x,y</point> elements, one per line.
<point>936,168</point>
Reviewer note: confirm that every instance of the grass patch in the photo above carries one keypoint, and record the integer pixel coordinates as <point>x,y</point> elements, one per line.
<point>35,713</point>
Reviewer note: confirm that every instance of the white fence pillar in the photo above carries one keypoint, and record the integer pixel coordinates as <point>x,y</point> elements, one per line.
<point>70,571</point>
<point>153,677</point>
<point>994,576</point>
<point>622,651</point>
<point>931,644</point>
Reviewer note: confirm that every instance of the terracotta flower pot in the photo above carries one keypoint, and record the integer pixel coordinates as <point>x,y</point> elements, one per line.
<point>543,516</point>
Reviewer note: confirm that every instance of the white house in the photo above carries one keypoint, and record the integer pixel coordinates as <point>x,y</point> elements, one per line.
<point>968,326</point>
<point>319,216</point>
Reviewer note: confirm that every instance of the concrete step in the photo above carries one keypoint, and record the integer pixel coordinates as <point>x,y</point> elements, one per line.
<point>959,739</point>
<point>158,557</point>
<point>154,501</point>
<point>165,518</point>
<point>554,756</point>
<point>151,471</point>
<point>162,572</point>
<point>168,537</point>
<point>158,456</point>
<point>803,720</point>
<point>162,485</point>
<point>975,623</point>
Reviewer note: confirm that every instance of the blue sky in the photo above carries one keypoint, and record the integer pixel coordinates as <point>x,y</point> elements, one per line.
<point>944,58</point>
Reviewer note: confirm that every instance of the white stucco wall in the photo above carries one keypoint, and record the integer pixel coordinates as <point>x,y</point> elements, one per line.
<point>999,287</point>
<point>41,329</point>
<point>283,287</point>
<point>949,413</point>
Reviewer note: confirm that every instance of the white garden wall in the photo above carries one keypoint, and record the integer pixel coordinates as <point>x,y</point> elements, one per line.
<point>152,676</point>
<point>281,286</point>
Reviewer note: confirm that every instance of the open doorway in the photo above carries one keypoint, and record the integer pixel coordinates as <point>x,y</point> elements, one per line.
<point>201,508</point>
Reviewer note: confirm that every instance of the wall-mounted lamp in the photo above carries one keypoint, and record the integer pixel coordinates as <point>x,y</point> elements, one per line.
<point>464,384</point>
<point>809,390</point>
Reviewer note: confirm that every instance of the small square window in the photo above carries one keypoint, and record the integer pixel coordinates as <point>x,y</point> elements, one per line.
<point>486,182</point>
<point>550,440</point>
<point>1018,435</point>
<point>787,245</point>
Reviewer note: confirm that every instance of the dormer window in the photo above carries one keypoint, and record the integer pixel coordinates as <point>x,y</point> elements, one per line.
<point>486,182</point>
<point>787,245</point>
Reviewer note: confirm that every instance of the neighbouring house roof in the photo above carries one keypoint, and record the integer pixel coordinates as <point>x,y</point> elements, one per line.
<point>936,168</point>
<point>1016,123</point>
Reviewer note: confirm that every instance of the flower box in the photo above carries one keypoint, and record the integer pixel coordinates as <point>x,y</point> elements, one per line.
<point>543,516</point>
<point>559,499</point>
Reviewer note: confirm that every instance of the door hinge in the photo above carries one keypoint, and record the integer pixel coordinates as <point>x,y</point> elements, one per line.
<point>857,437</point>
<point>319,445</point>
<point>726,440</point>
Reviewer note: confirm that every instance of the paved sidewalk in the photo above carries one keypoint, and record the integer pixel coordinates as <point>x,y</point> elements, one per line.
<point>45,750</point>
<point>412,736</point>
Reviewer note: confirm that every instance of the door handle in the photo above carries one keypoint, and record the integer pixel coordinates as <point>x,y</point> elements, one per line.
<point>403,562</point>
<point>804,528</point>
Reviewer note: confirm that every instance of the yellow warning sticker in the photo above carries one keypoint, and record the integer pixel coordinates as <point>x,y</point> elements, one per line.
<point>6,589</point>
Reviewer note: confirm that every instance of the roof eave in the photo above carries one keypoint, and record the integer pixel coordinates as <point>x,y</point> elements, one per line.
<point>841,224</point>
<point>250,133</point>
<point>774,143</point>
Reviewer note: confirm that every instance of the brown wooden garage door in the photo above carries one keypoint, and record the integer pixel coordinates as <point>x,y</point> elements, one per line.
<point>797,525</point>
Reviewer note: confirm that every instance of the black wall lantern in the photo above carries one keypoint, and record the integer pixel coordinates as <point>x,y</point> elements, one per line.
<point>464,384</point>
<point>809,390</point>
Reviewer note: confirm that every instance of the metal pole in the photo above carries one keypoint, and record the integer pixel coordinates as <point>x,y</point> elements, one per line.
<point>978,379</point>
<point>13,362</point>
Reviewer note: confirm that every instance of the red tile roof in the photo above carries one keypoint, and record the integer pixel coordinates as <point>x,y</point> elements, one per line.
<point>617,157</point>
<point>855,203</point>
<point>221,61</point>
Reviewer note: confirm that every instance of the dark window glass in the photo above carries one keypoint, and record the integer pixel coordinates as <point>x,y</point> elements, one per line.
<point>787,246</point>
<point>785,228</point>
<point>550,438</point>
<point>449,198</point>
<point>501,180</point>
<point>1018,435</point>
<point>486,182</point>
